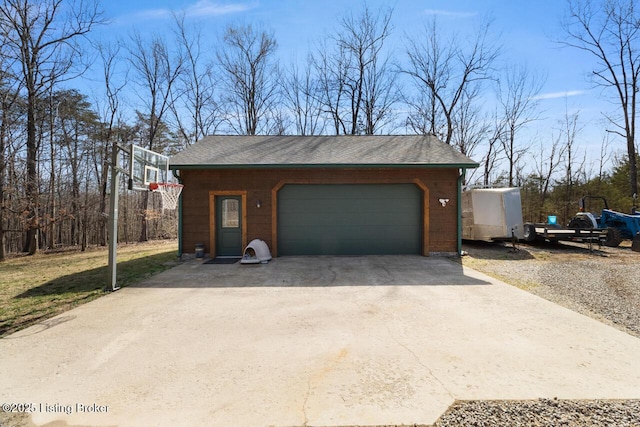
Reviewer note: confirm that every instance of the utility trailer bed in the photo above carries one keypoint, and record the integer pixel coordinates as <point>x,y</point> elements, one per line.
<point>554,233</point>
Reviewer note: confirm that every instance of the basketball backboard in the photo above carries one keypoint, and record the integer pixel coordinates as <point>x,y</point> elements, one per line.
<point>146,166</point>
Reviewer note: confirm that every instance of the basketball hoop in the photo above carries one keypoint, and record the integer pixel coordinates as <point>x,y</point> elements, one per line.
<point>169,192</point>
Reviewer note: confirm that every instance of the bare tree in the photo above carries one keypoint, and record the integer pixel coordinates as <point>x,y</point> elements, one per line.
<point>371,86</point>
<point>250,77</point>
<point>8,96</point>
<point>605,156</point>
<point>43,38</point>
<point>331,69</point>
<point>441,70</point>
<point>381,94</point>
<point>106,140</point>
<point>195,91</point>
<point>517,99</point>
<point>569,132</point>
<point>156,71</point>
<point>301,94</point>
<point>77,125</point>
<point>424,116</point>
<point>471,128</point>
<point>470,125</point>
<point>548,163</point>
<point>493,151</point>
<point>610,32</point>
<point>358,86</point>
<point>53,107</point>
<point>3,161</point>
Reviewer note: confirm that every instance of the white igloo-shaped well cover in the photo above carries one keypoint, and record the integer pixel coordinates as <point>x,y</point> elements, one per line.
<point>256,252</point>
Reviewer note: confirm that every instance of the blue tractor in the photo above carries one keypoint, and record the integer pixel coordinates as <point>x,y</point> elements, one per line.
<point>619,225</point>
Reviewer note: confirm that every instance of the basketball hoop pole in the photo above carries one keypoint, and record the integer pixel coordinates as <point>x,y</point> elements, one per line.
<point>113,219</point>
<point>145,166</point>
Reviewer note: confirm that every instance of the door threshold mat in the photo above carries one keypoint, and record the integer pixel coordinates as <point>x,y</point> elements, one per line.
<point>219,260</point>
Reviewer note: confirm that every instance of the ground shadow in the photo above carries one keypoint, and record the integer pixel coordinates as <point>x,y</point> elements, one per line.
<point>97,278</point>
<point>503,251</point>
<point>41,324</point>
<point>319,271</point>
<point>506,251</point>
<point>567,247</point>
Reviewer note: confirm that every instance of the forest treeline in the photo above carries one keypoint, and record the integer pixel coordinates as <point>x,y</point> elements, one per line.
<point>167,91</point>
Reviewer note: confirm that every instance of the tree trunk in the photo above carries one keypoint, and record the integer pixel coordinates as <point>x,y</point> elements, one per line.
<point>85,217</point>
<point>3,255</point>
<point>102,219</point>
<point>144,237</point>
<point>52,181</point>
<point>511,156</point>
<point>633,165</point>
<point>3,126</point>
<point>31,241</point>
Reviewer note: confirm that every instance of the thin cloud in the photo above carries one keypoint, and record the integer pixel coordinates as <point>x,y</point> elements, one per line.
<point>449,13</point>
<point>202,8</point>
<point>207,8</point>
<point>556,95</point>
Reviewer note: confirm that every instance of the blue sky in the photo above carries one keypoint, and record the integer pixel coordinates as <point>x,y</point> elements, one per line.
<point>528,31</point>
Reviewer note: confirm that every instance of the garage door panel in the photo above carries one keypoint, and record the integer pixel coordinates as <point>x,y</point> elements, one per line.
<point>348,191</point>
<point>350,232</point>
<point>326,206</point>
<point>335,246</point>
<point>349,219</point>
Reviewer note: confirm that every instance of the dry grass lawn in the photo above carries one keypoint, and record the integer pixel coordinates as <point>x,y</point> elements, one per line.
<point>35,288</point>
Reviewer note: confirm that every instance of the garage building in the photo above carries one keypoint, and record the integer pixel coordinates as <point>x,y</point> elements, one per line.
<point>321,195</point>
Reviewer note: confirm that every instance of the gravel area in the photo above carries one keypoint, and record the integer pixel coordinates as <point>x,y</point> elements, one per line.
<point>603,283</point>
<point>543,413</point>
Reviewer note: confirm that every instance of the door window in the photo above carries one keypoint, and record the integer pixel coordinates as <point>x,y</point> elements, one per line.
<point>230,213</point>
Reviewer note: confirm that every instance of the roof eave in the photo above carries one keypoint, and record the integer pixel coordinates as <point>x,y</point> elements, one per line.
<point>326,165</point>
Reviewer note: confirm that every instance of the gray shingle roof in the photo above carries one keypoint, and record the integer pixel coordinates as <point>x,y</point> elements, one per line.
<point>304,151</point>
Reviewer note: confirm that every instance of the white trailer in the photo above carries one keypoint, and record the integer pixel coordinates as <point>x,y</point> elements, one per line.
<point>492,214</point>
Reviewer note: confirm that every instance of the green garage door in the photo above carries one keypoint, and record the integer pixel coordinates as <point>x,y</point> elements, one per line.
<point>358,219</point>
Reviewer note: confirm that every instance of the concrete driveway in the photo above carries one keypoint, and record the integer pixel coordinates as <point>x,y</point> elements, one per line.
<point>309,341</point>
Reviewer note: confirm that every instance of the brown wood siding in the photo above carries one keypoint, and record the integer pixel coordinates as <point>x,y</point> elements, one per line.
<point>261,184</point>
